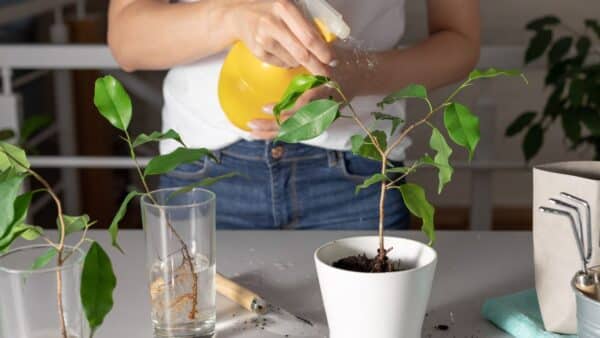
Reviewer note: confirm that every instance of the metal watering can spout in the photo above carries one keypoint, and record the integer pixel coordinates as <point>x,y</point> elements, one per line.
<point>247,84</point>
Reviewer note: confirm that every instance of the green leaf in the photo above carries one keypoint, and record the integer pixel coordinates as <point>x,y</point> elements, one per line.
<point>164,163</point>
<point>43,260</point>
<point>33,125</point>
<point>583,47</point>
<point>20,207</point>
<point>520,123</point>
<point>299,85</point>
<point>494,72</point>
<point>416,201</point>
<point>11,236</point>
<point>441,160</point>
<point>410,91</point>
<point>9,190</point>
<point>462,126</point>
<point>591,120</point>
<point>203,183</point>
<point>396,121</point>
<point>16,156</point>
<point>113,102</point>
<point>543,22</point>
<point>113,229</point>
<point>309,121</point>
<point>363,145</point>
<point>555,103</point>
<point>157,136</point>
<point>398,170</point>
<point>576,92</point>
<point>32,232</point>
<point>533,141</point>
<point>538,45</point>
<point>74,223</point>
<point>560,48</point>
<point>558,71</point>
<point>6,134</point>
<point>370,181</point>
<point>98,282</point>
<point>571,126</point>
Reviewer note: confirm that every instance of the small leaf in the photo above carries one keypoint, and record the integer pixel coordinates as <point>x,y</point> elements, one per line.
<point>396,121</point>
<point>74,223</point>
<point>533,141</point>
<point>299,85</point>
<point>9,189</point>
<point>591,120</point>
<point>43,260</point>
<point>560,48</point>
<point>113,229</point>
<point>98,282</point>
<point>370,181</point>
<point>583,47</point>
<point>6,134</point>
<point>309,121</point>
<point>20,207</point>
<point>462,126</point>
<point>493,72</point>
<point>113,102</point>
<point>576,92</point>
<point>538,45</point>
<point>157,136</point>
<point>557,71</point>
<point>19,158</point>
<point>398,170</point>
<point>438,143</point>
<point>10,237</point>
<point>520,123</point>
<point>410,91</point>
<point>554,105</point>
<point>33,125</point>
<point>32,232</point>
<point>416,201</point>
<point>571,126</point>
<point>363,145</point>
<point>165,163</point>
<point>203,183</point>
<point>543,22</point>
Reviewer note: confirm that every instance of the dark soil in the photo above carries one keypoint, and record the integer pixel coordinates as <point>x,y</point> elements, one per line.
<point>362,263</point>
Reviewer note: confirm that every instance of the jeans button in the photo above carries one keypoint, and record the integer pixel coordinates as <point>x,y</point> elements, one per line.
<point>277,152</point>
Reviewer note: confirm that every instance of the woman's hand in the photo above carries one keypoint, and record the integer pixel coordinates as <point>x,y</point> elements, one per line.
<point>277,32</point>
<point>347,74</point>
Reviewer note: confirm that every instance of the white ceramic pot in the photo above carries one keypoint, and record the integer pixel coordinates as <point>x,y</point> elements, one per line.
<point>381,305</point>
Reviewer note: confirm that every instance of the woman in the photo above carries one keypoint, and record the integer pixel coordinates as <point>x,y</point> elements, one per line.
<point>284,186</point>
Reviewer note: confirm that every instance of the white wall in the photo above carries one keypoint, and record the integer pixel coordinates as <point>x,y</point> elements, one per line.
<point>502,24</point>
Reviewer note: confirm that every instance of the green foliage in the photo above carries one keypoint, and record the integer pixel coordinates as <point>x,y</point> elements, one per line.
<point>33,125</point>
<point>31,233</point>
<point>203,183</point>
<point>6,134</point>
<point>493,72</point>
<point>98,282</point>
<point>299,85</point>
<point>113,229</point>
<point>363,145</point>
<point>164,163</point>
<point>377,178</point>
<point>15,156</point>
<point>75,223</point>
<point>113,102</point>
<point>462,126</point>
<point>574,84</point>
<point>309,121</point>
<point>441,160</point>
<point>396,121</point>
<point>158,136</point>
<point>9,190</point>
<point>44,259</point>
<point>416,201</point>
<point>410,91</point>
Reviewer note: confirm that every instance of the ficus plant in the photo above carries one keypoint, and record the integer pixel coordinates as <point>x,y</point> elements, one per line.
<point>573,79</point>
<point>113,102</point>
<point>376,142</point>
<point>97,278</point>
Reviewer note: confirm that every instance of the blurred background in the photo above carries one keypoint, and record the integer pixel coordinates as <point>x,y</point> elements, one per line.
<point>51,51</point>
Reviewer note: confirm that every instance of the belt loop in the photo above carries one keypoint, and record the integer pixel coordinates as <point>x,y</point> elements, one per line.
<point>217,154</point>
<point>333,157</point>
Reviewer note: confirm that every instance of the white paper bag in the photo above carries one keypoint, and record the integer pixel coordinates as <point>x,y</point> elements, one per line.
<point>555,251</point>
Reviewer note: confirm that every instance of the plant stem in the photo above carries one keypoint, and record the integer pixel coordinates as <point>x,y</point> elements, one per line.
<point>187,258</point>
<point>382,252</point>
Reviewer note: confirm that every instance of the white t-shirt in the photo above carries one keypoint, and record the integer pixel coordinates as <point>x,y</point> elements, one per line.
<point>192,104</point>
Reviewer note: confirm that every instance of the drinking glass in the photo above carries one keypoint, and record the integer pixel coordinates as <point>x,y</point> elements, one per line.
<point>29,298</point>
<point>180,257</point>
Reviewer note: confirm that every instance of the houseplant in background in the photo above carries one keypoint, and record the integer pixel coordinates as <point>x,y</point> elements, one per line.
<point>179,225</point>
<point>390,268</point>
<point>82,282</point>
<point>573,78</point>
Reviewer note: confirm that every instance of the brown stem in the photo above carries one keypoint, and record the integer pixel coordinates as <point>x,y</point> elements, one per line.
<point>382,252</point>
<point>185,252</point>
<point>59,283</point>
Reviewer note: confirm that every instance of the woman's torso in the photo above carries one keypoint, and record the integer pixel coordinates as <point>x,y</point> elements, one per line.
<point>190,91</point>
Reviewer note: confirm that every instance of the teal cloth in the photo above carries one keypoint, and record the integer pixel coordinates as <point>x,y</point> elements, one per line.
<point>518,314</point>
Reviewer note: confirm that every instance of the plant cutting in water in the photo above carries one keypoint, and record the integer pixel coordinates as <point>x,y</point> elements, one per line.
<point>376,143</point>
<point>97,278</point>
<point>113,103</point>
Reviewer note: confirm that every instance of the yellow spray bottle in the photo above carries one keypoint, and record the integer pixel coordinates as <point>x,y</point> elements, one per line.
<point>247,84</point>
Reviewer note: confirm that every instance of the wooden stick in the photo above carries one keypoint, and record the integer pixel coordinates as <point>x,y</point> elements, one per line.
<point>247,299</point>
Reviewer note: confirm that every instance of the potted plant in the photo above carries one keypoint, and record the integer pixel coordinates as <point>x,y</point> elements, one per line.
<point>179,225</point>
<point>574,81</point>
<point>81,281</point>
<point>379,286</point>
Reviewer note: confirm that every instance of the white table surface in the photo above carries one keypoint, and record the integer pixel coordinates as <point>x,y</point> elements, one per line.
<point>472,267</point>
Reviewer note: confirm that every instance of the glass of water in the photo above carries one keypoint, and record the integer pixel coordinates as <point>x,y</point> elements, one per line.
<point>180,257</point>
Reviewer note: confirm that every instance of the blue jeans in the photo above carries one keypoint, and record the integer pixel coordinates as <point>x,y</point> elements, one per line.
<point>292,186</point>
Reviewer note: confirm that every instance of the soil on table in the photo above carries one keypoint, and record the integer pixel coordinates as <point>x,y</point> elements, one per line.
<point>362,263</point>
